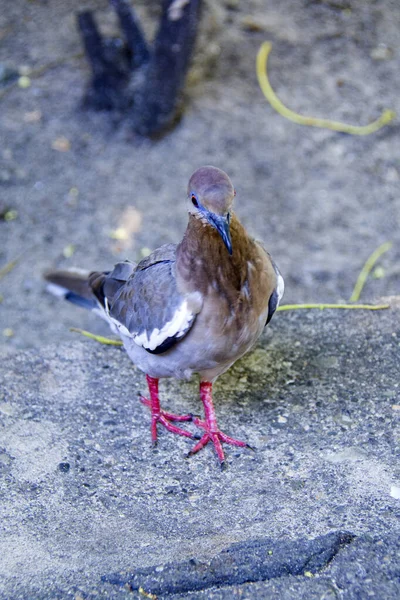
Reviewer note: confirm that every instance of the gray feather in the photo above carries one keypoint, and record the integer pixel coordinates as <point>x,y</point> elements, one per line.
<point>149,301</point>
<point>74,280</point>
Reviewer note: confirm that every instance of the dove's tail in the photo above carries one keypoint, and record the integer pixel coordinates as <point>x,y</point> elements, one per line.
<point>72,285</point>
<point>94,290</point>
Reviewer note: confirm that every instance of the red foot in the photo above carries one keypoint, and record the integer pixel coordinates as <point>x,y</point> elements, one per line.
<point>212,433</point>
<point>158,415</point>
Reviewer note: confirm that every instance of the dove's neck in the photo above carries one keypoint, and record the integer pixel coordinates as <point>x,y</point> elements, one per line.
<point>203,260</point>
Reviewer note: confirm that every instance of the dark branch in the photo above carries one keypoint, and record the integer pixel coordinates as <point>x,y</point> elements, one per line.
<point>132,31</point>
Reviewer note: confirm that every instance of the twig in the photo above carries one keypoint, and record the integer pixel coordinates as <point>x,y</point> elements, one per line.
<point>97,338</point>
<point>146,594</point>
<point>111,342</point>
<point>367,268</point>
<point>38,71</point>
<point>13,263</point>
<point>261,69</point>
<point>9,267</point>
<point>319,306</point>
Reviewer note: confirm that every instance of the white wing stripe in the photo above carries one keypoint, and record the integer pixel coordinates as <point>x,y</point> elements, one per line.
<point>280,287</point>
<point>176,327</point>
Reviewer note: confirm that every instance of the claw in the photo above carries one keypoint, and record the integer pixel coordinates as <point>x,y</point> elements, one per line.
<point>251,448</point>
<point>210,427</point>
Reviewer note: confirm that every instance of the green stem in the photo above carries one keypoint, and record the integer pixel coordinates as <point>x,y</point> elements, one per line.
<point>261,69</point>
<point>97,338</point>
<point>367,268</point>
<point>341,306</point>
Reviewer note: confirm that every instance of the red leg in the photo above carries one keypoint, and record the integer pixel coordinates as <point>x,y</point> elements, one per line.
<point>212,433</point>
<point>158,415</point>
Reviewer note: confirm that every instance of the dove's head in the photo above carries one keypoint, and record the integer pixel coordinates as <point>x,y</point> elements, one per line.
<point>211,193</point>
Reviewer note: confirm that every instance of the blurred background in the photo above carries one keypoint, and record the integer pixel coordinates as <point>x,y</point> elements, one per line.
<point>80,188</point>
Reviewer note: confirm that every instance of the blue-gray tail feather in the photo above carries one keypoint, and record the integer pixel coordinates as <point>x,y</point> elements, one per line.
<point>80,301</point>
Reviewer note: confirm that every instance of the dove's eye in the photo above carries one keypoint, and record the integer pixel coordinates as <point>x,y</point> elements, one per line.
<point>195,201</point>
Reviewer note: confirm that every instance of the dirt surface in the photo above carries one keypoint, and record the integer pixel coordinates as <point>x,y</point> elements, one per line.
<point>83,495</point>
<point>320,201</point>
<point>88,507</point>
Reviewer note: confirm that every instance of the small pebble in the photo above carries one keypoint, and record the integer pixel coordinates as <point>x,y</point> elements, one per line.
<point>8,332</point>
<point>69,251</point>
<point>10,215</point>
<point>24,82</point>
<point>395,492</point>
<point>381,52</point>
<point>64,467</point>
<point>119,234</point>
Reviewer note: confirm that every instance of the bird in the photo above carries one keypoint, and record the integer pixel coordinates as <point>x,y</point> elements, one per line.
<point>190,308</point>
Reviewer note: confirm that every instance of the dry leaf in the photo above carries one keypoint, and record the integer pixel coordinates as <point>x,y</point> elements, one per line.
<point>130,223</point>
<point>61,144</point>
<point>33,116</point>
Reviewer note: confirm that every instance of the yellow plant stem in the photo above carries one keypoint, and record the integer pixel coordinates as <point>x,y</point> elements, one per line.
<point>261,69</point>
<point>367,268</point>
<point>13,263</point>
<point>97,338</point>
<point>111,342</point>
<point>340,306</point>
<point>8,267</point>
<point>40,70</point>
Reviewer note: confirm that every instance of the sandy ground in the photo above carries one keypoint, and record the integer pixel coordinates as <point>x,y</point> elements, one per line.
<point>83,495</point>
